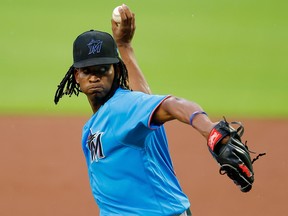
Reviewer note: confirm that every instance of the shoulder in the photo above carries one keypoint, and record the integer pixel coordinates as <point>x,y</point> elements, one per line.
<point>124,95</point>
<point>121,92</point>
<point>128,99</point>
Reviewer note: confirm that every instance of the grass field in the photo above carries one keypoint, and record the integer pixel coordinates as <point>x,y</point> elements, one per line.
<point>229,56</point>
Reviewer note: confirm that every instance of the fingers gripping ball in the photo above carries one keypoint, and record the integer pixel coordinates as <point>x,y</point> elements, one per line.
<point>233,156</point>
<point>116,15</point>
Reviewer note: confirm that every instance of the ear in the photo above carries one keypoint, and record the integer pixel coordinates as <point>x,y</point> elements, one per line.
<point>76,75</point>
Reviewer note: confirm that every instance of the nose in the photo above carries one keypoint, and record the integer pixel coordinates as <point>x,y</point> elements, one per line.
<point>94,78</point>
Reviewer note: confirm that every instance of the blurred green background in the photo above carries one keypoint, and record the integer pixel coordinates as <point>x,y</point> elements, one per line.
<point>229,56</point>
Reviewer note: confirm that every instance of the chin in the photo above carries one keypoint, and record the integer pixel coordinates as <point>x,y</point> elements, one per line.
<point>97,97</point>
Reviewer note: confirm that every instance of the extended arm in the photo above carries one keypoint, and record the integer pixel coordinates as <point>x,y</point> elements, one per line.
<point>123,34</point>
<point>182,109</point>
<point>223,141</point>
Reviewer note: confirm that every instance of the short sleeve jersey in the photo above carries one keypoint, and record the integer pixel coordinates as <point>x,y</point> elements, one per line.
<point>129,164</point>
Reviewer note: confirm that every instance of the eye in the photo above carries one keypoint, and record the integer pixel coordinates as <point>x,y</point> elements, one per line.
<point>85,70</point>
<point>104,68</point>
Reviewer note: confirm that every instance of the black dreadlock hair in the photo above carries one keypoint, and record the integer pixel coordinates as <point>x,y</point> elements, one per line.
<point>68,85</point>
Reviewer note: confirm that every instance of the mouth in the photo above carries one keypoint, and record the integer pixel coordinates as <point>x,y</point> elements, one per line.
<point>95,89</point>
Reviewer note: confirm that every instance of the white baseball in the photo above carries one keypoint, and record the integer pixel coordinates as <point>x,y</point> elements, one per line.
<point>116,15</point>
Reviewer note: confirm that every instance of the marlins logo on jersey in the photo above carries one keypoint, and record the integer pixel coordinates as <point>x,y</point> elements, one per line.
<point>95,146</point>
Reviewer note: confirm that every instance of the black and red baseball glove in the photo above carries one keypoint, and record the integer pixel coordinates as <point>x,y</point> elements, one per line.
<point>233,156</point>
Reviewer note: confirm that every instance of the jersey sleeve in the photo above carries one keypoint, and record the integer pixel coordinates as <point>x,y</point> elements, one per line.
<point>134,115</point>
<point>144,108</point>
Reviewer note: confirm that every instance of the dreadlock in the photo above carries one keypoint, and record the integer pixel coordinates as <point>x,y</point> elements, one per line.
<point>68,85</point>
<point>123,76</point>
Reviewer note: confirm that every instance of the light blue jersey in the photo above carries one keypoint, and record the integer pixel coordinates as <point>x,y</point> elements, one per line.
<point>128,160</point>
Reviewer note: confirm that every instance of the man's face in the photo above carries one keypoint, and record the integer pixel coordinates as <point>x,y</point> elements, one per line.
<point>95,81</point>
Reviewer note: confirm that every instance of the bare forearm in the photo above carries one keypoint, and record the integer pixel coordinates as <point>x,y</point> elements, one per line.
<point>137,80</point>
<point>181,109</point>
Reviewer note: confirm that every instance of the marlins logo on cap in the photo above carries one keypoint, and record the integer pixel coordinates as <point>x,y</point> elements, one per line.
<point>94,48</point>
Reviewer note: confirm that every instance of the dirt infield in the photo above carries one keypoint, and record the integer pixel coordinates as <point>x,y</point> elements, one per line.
<point>43,171</point>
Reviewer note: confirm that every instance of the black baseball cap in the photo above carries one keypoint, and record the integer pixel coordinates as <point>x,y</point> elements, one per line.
<point>94,48</point>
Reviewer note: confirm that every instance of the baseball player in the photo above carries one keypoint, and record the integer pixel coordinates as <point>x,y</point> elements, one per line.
<point>124,141</point>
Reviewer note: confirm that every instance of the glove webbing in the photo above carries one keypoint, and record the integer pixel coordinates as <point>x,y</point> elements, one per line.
<point>240,132</point>
<point>257,157</point>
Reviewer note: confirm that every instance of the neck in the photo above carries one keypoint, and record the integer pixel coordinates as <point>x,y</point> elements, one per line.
<point>95,103</point>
